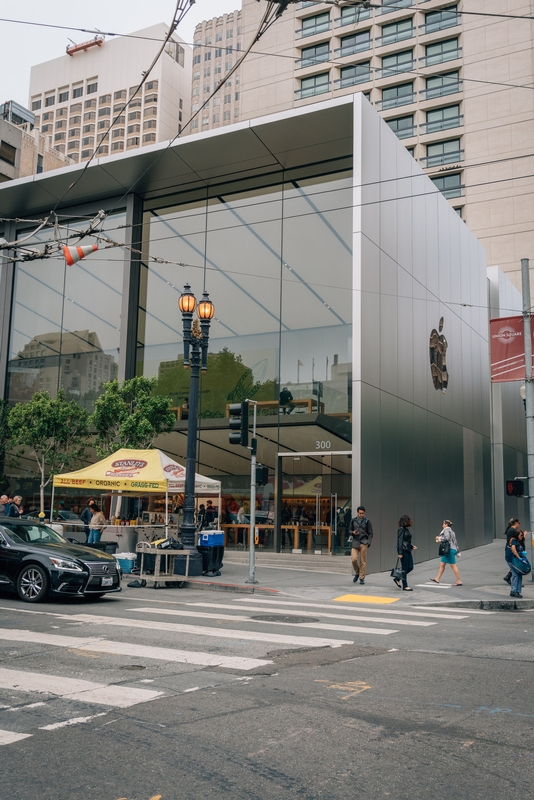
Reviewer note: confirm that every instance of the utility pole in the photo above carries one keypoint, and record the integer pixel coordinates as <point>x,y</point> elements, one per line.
<point>252,548</point>
<point>529,387</point>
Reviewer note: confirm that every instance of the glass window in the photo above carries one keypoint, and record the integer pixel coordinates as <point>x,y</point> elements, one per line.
<point>77,91</point>
<point>402,126</point>
<point>443,152</point>
<point>355,43</point>
<point>397,31</point>
<point>397,62</point>
<point>352,14</point>
<point>61,313</point>
<point>8,153</point>
<point>439,119</point>
<point>316,84</point>
<point>443,18</point>
<point>393,5</point>
<point>49,101</point>
<point>449,185</point>
<point>442,51</point>
<point>121,95</point>
<point>357,73</point>
<point>316,24</point>
<point>400,95</point>
<point>90,103</point>
<point>440,85</point>
<point>92,88</point>
<point>63,97</point>
<point>36,105</point>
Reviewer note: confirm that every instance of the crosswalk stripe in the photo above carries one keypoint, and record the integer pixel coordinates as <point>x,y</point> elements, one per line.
<point>73,721</point>
<point>456,611</point>
<point>75,689</point>
<point>8,737</point>
<point>317,613</point>
<point>136,650</point>
<point>219,633</point>
<point>435,613</point>
<point>316,626</point>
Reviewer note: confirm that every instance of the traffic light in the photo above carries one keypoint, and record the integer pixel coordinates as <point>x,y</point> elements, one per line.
<point>239,422</point>
<point>262,475</point>
<point>515,488</point>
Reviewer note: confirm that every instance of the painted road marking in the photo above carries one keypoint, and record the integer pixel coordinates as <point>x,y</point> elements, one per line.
<point>316,626</point>
<point>135,650</point>
<point>317,614</point>
<point>197,630</point>
<point>450,610</point>
<point>8,737</point>
<point>219,633</point>
<point>352,687</point>
<point>364,598</point>
<point>435,613</point>
<point>74,721</point>
<point>75,689</point>
<point>432,585</point>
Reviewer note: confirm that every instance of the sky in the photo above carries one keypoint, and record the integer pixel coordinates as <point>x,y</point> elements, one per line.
<point>26,45</point>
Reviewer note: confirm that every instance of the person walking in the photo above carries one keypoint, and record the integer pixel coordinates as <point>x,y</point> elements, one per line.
<point>517,549</point>
<point>361,531</point>
<point>15,508</point>
<point>511,530</point>
<point>86,518</point>
<point>3,504</point>
<point>404,551</point>
<point>98,522</point>
<point>448,535</point>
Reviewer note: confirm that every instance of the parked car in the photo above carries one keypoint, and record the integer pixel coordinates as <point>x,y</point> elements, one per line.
<point>35,561</point>
<point>72,523</point>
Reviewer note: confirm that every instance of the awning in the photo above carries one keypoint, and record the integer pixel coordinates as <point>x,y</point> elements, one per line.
<point>137,471</point>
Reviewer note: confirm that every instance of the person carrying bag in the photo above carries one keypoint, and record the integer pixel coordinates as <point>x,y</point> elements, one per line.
<point>448,548</point>
<point>404,553</point>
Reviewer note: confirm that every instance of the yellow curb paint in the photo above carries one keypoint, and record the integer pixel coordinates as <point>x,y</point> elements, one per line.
<point>365,598</point>
<point>353,687</point>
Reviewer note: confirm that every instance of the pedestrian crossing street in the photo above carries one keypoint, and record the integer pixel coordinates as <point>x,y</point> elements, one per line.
<point>200,642</point>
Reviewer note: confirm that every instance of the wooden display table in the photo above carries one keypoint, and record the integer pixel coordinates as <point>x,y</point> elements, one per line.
<point>158,576</point>
<point>293,530</point>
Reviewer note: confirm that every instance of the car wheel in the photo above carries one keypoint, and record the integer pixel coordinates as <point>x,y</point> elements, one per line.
<point>33,584</point>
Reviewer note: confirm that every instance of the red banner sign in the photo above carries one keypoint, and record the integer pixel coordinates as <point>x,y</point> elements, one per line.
<point>507,349</point>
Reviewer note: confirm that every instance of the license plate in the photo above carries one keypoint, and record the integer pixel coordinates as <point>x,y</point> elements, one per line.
<point>107,581</point>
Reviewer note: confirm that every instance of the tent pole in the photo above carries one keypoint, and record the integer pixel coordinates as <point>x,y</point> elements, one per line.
<point>52,503</point>
<point>167,513</point>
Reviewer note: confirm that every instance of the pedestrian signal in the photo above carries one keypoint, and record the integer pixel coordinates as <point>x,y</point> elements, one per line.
<point>515,488</point>
<point>262,475</point>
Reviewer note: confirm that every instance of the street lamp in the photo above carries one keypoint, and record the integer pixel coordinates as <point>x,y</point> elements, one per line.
<point>196,337</point>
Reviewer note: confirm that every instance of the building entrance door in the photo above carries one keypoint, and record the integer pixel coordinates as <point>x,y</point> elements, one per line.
<point>312,507</point>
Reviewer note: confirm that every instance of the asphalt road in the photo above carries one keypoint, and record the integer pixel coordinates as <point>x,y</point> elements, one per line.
<point>180,694</point>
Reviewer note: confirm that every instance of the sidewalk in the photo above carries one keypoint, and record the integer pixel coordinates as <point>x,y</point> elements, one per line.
<point>482,570</point>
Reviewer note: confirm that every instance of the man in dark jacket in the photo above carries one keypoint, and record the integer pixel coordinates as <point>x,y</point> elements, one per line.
<point>362,536</point>
<point>86,517</point>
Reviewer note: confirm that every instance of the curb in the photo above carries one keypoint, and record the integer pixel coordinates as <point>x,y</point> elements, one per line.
<point>228,587</point>
<point>486,605</point>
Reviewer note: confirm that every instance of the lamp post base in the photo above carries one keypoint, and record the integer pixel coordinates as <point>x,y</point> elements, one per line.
<point>195,565</point>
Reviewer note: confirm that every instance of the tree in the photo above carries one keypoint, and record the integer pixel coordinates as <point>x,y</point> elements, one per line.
<point>130,416</point>
<point>54,430</point>
<point>5,439</point>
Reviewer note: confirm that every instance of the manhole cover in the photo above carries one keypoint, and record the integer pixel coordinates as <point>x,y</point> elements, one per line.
<point>282,618</point>
<point>133,667</point>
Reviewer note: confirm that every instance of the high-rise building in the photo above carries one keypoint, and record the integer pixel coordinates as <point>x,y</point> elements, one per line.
<point>76,97</point>
<point>217,45</point>
<point>453,82</point>
<point>24,150</point>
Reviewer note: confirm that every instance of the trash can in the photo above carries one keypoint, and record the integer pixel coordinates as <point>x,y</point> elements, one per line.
<point>105,547</point>
<point>212,558</point>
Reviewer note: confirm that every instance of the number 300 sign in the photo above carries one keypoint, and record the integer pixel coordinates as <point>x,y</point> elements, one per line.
<point>323,444</point>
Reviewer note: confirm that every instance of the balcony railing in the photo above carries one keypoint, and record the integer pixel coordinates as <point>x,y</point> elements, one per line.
<point>350,50</point>
<point>440,24</point>
<point>442,124</point>
<point>453,191</point>
<point>443,158</point>
<point>391,38</point>
<point>395,69</point>
<point>440,58</point>
<point>311,61</point>
<point>312,91</point>
<point>441,91</point>
<point>352,80</point>
<point>394,102</point>
<point>388,8</point>
<point>404,133</point>
<point>351,19</point>
<point>321,27</point>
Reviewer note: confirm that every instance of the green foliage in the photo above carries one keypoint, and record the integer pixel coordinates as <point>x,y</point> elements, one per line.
<point>225,381</point>
<point>130,415</point>
<point>54,430</point>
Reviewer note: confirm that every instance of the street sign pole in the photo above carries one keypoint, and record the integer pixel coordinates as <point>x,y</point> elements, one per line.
<point>252,533</point>
<point>529,387</point>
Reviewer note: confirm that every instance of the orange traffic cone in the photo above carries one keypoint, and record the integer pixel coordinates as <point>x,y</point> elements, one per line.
<point>74,254</point>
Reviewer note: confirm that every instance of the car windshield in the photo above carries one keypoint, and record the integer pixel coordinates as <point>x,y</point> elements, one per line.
<point>68,515</point>
<point>32,534</point>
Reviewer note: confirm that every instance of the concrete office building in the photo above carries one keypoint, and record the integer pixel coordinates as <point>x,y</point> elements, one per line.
<point>455,88</point>
<point>77,96</point>
<point>217,45</point>
<point>337,272</point>
<point>23,149</point>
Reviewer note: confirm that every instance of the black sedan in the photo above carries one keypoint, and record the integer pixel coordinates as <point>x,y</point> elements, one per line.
<point>35,561</point>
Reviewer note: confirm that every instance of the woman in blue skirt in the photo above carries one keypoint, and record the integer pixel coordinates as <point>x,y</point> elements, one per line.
<point>448,535</point>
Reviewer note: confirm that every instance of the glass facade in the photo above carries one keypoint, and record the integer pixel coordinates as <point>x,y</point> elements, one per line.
<point>276,260</point>
<point>65,323</point>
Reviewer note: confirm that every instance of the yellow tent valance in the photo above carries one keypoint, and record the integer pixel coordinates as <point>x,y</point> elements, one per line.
<point>135,471</point>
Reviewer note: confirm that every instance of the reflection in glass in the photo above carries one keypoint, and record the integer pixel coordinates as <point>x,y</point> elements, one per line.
<point>66,322</point>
